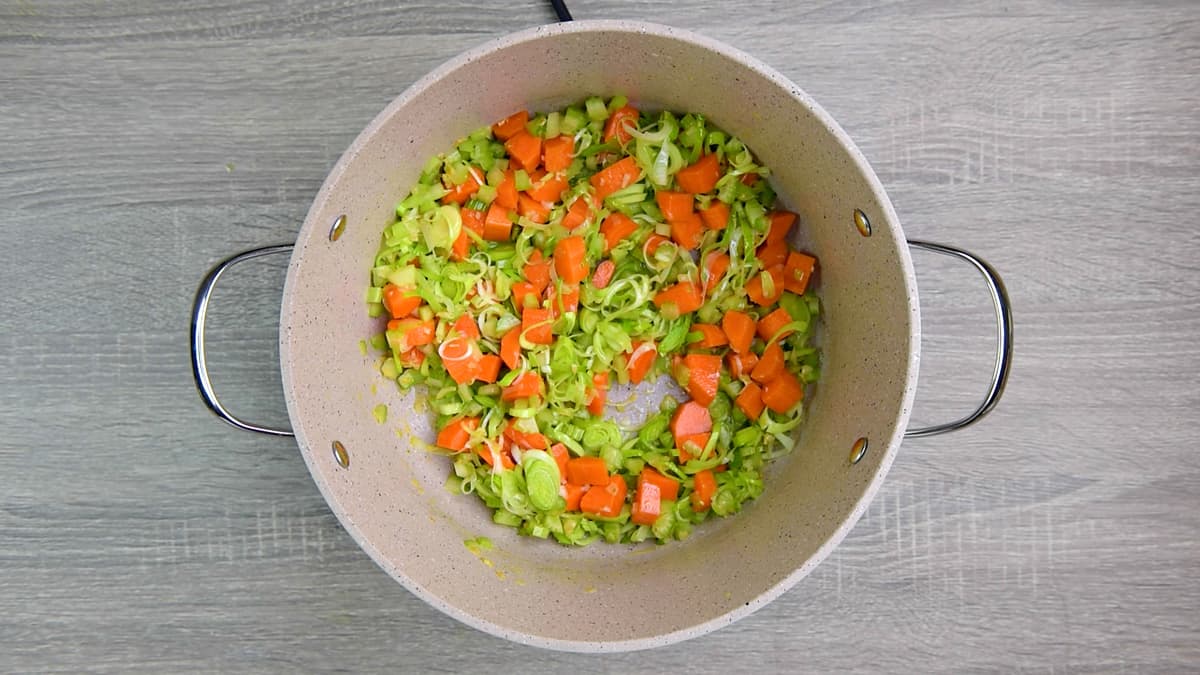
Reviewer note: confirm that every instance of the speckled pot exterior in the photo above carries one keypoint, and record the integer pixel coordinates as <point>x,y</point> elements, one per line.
<point>390,497</point>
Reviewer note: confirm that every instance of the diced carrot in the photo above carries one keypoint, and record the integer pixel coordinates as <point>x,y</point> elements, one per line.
<point>558,152</point>
<point>757,288</point>
<point>506,191</point>
<point>537,270</point>
<point>703,376</point>
<point>701,176</point>
<point>472,220</point>
<point>773,323</point>
<point>781,224</point>
<point>599,394</point>
<point>536,324</point>
<point>740,365</point>
<point>587,471</point>
<point>668,487</point>
<point>574,496</point>
<point>570,259</point>
<point>533,209</point>
<point>509,126</point>
<point>525,149</point>
<point>715,266</point>
<point>577,214</point>
<point>605,501</point>
<point>739,329</point>
<point>685,296</point>
<point>412,358</point>
<point>772,254</point>
<point>615,126</point>
<point>510,348</point>
<point>460,355</point>
<point>524,294</point>
<point>715,215</point>
<point>647,504</point>
<point>617,176</point>
<point>463,191</point>
<point>653,489</point>
<point>640,359</point>
<point>491,450</point>
<point>615,229</point>
<point>690,418</point>
<point>496,225</point>
<point>652,243</point>
<point>465,325</point>
<point>489,368</point>
<point>549,188</point>
<point>690,447</point>
<point>704,486</point>
<point>603,273</point>
<point>750,401</point>
<point>567,302</point>
<point>749,178</point>
<point>769,365</point>
<point>560,454</point>
<point>400,302</point>
<point>525,439</point>
<point>461,247</point>
<point>798,271</point>
<point>687,231</point>
<point>526,384</point>
<point>711,336</point>
<point>674,205</point>
<point>455,435</point>
<point>411,332</point>
<point>782,393</point>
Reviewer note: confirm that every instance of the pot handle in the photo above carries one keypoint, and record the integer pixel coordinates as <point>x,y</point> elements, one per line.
<point>200,362</point>
<point>1004,339</point>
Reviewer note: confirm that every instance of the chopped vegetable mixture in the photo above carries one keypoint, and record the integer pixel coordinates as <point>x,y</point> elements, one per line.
<point>546,258</point>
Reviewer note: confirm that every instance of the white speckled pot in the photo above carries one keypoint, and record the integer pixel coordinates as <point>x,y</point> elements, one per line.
<point>390,497</point>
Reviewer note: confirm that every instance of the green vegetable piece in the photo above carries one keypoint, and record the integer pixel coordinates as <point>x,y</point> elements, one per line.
<point>442,228</point>
<point>502,517</point>
<point>600,433</point>
<point>542,479</point>
<point>795,306</point>
<point>596,110</point>
<point>612,456</point>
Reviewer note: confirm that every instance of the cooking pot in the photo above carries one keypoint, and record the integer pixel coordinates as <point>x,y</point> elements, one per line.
<point>386,488</point>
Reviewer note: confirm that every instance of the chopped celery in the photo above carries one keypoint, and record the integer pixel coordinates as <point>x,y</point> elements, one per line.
<point>596,329</point>
<point>542,478</point>
<point>596,110</point>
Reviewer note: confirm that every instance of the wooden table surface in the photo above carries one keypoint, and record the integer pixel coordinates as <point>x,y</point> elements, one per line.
<point>140,142</point>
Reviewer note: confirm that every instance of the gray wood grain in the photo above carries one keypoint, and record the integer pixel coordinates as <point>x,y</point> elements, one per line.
<point>141,142</point>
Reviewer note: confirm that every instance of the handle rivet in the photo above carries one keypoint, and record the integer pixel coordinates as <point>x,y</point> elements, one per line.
<point>859,449</point>
<point>340,454</point>
<point>339,226</point>
<point>862,223</point>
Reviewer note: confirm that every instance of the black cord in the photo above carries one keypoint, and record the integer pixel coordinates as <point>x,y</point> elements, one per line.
<point>560,8</point>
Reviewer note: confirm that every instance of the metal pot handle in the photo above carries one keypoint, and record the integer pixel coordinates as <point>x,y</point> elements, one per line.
<point>1004,339</point>
<point>199,361</point>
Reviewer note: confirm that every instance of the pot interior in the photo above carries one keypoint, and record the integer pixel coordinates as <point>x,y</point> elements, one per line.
<point>390,497</point>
